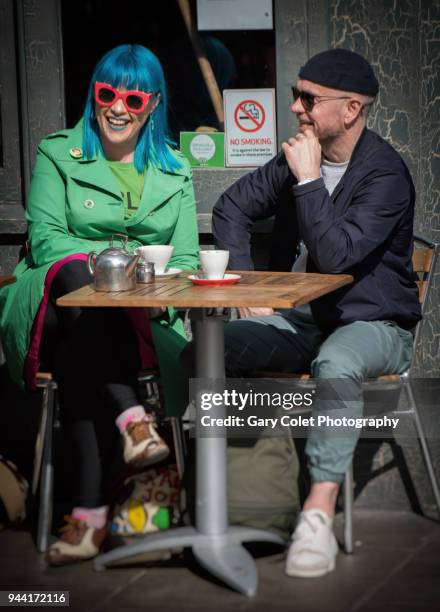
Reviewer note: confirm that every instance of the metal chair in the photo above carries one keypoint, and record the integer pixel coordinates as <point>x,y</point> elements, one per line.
<point>43,473</point>
<point>424,261</point>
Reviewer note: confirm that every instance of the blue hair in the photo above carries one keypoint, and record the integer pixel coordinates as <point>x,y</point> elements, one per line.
<point>133,67</point>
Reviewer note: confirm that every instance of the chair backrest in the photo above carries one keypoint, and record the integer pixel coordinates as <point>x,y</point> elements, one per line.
<point>424,261</point>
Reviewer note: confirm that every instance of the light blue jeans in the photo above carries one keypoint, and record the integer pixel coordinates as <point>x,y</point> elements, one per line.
<point>289,341</point>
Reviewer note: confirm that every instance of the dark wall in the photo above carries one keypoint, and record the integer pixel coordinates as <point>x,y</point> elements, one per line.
<point>31,77</point>
<point>401,41</point>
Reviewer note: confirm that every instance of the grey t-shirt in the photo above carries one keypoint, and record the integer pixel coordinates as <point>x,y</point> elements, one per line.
<point>332,173</point>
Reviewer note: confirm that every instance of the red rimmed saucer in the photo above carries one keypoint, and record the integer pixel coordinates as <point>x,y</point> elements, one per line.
<point>228,279</point>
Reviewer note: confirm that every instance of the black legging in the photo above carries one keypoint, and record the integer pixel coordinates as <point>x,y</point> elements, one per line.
<point>93,353</point>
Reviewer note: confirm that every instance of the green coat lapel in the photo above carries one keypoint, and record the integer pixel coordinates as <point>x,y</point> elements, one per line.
<point>93,173</point>
<point>96,174</point>
<point>157,190</point>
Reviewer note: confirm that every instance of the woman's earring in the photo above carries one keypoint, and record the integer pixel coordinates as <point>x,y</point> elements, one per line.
<point>152,124</point>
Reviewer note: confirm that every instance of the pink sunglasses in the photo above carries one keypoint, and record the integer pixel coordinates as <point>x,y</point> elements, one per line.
<point>134,100</point>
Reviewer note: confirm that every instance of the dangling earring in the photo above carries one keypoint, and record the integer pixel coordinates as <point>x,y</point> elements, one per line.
<point>152,124</point>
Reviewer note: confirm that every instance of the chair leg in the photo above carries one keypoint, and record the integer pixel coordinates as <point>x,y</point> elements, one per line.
<point>46,483</point>
<point>39,443</point>
<point>179,444</point>
<point>423,444</point>
<point>348,510</point>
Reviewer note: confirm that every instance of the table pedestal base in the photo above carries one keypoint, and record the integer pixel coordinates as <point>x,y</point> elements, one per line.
<point>216,545</point>
<point>222,555</point>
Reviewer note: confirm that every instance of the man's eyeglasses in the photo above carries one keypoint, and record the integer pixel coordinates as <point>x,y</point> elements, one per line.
<point>309,100</point>
<point>134,101</point>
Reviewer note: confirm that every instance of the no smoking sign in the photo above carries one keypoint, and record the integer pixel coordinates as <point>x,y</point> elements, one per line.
<point>249,126</point>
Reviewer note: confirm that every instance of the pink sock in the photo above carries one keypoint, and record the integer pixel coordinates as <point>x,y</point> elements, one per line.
<point>136,413</point>
<point>93,517</point>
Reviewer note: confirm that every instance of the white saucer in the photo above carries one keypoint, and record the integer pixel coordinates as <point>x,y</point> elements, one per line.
<point>169,273</point>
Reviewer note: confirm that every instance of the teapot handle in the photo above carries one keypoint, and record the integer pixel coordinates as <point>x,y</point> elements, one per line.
<point>91,262</point>
<point>124,239</point>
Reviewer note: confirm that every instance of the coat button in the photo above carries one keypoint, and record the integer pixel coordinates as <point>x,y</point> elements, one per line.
<point>89,203</point>
<point>76,152</point>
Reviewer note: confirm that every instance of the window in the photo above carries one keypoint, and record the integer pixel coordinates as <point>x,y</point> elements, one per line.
<point>240,59</point>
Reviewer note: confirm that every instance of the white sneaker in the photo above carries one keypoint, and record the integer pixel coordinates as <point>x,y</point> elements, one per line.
<point>314,548</point>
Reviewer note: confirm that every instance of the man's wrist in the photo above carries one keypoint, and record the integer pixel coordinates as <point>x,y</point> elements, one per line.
<point>303,181</point>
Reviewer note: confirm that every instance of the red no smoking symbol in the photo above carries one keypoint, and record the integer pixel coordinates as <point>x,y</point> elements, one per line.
<point>249,116</point>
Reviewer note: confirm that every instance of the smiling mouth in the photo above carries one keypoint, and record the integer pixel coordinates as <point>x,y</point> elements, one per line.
<point>117,124</point>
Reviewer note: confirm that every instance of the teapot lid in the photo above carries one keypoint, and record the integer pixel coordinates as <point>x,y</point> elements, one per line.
<point>117,255</point>
<point>124,240</point>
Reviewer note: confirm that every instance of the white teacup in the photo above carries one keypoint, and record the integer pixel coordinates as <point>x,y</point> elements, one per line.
<point>214,263</point>
<point>159,254</point>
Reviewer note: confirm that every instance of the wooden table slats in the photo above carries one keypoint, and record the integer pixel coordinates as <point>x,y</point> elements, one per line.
<point>258,289</point>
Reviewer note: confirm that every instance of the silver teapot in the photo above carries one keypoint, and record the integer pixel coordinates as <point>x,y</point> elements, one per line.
<point>114,269</point>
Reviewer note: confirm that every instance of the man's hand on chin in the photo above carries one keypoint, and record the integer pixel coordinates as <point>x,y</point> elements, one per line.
<point>303,155</point>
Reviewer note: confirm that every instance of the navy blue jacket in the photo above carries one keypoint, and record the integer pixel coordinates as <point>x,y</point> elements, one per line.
<point>365,229</point>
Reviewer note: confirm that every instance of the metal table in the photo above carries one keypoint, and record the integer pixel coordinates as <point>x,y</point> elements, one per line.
<point>216,545</point>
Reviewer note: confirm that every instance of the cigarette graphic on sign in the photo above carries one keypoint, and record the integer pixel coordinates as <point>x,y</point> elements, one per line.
<point>249,116</point>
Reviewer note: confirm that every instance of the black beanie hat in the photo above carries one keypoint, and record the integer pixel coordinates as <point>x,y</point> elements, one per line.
<point>341,69</point>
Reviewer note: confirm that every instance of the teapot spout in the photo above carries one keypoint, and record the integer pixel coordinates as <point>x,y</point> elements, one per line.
<point>130,268</point>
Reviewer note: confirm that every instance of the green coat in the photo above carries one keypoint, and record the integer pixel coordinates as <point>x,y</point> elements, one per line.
<point>74,207</point>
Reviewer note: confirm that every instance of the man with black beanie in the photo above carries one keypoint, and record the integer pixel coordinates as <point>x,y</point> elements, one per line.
<point>343,201</point>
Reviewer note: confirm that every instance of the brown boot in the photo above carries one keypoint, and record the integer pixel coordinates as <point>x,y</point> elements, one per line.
<point>77,543</point>
<point>142,444</point>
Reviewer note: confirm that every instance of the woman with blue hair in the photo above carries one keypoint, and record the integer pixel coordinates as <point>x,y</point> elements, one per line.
<point>114,173</point>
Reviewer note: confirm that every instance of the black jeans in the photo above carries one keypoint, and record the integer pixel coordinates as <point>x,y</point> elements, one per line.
<point>93,353</point>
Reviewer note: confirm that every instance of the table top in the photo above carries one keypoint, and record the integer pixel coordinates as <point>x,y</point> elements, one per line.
<point>259,289</point>
<point>7,280</point>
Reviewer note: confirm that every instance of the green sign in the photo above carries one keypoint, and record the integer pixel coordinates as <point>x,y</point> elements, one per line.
<point>204,148</point>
